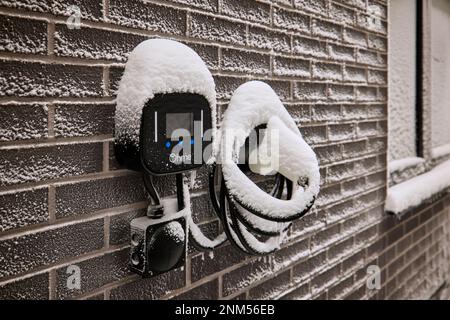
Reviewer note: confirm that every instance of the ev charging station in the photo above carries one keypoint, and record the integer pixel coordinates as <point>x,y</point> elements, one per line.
<point>166,125</point>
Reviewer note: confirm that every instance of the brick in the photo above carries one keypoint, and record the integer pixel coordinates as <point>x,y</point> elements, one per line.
<point>281,88</point>
<point>341,93</point>
<point>165,185</point>
<point>341,132</point>
<point>90,196</point>
<point>309,47</point>
<point>292,20</point>
<point>325,237</point>
<point>364,112</point>
<point>341,53</point>
<point>23,35</point>
<point>21,209</point>
<point>341,249</point>
<point>310,91</point>
<point>206,291</point>
<point>291,67</point>
<point>366,129</point>
<point>357,293</point>
<point>354,261</point>
<point>340,172</point>
<point>78,120</point>
<point>365,236</point>
<point>95,273</point>
<point>359,4</point>
<point>115,74</point>
<point>340,289</point>
<point>326,112</point>
<point>377,43</point>
<point>371,23</point>
<point>353,187</point>
<point>289,255</point>
<point>329,195</point>
<point>23,122</point>
<point>355,37</point>
<point>366,94</point>
<point>366,165</point>
<point>355,149</point>
<point>328,154</point>
<point>341,211</point>
<point>215,29</point>
<point>209,5</point>
<point>377,77</point>
<point>90,43</point>
<point>314,134</point>
<point>327,71</point>
<point>225,86</point>
<point>310,266</point>
<point>31,288</point>
<point>325,279</point>
<point>147,16</point>
<point>202,209</point>
<point>271,288</point>
<point>32,79</point>
<point>209,54</point>
<point>355,74</point>
<point>246,10</point>
<point>26,4</point>
<point>342,14</point>
<point>245,275</point>
<point>24,165</point>
<point>100,296</point>
<point>119,229</point>
<point>150,288</point>
<point>355,223</point>
<point>327,30</point>
<point>33,250</point>
<point>245,62</point>
<point>302,292</point>
<point>284,2</point>
<point>425,216</point>
<point>204,264</point>
<point>369,58</point>
<point>271,40</point>
<point>242,296</point>
<point>404,244</point>
<point>377,144</point>
<point>90,10</point>
<point>377,9</point>
<point>300,113</point>
<point>317,6</point>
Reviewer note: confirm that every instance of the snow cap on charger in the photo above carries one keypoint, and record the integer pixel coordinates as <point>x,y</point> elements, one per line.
<point>158,66</point>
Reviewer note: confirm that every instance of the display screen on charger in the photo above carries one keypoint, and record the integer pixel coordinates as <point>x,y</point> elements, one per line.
<point>176,121</point>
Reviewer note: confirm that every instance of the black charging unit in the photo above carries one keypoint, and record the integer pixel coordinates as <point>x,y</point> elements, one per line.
<point>171,142</point>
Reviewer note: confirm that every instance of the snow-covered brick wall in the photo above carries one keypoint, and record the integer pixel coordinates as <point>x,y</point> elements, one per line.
<point>65,200</point>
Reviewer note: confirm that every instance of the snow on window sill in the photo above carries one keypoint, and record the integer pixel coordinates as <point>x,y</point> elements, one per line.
<point>405,169</point>
<point>418,190</point>
<point>441,152</point>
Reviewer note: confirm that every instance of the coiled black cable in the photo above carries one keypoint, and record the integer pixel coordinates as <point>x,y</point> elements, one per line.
<point>236,225</point>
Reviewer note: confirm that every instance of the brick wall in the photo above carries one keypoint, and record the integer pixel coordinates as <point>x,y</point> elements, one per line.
<point>64,200</point>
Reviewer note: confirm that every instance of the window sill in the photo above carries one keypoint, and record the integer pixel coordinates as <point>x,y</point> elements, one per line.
<point>412,193</point>
<point>440,152</point>
<point>405,169</point>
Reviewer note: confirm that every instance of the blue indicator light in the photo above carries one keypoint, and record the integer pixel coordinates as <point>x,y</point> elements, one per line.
<point>168,144</point>
<point>192,141</point>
